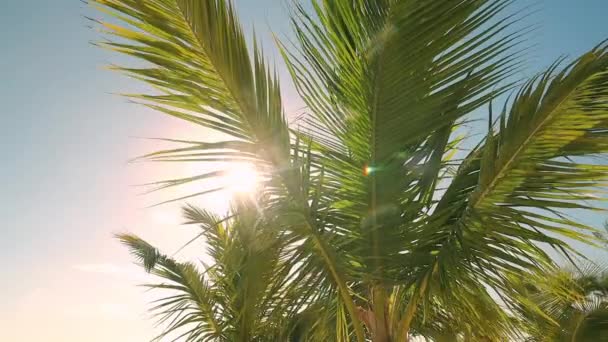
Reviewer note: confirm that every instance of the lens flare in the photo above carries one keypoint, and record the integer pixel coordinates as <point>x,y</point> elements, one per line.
<point>241,179</point>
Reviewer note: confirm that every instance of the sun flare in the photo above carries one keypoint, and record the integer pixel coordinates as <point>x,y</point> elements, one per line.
<point>241,179</point>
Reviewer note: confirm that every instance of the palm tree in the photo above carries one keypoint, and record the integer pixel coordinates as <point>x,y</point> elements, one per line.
<point>243,296</point>
<point>578,311</point>
<point>376,198</point>
<point>252,291</point>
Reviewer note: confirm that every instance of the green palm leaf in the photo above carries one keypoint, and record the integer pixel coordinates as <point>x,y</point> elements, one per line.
<point>198,61</point>
<point>506,197</point>
<point>192,308</point>
<point>576,312</point>
<point>390,87</point>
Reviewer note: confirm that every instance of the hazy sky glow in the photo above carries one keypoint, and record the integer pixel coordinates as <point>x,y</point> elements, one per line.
<point>67,186</point>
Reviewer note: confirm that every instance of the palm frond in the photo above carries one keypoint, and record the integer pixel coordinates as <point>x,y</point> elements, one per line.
<point>561,306</point>
<point>534,166</point>
<point>389,89</point>
<point>190,310</point>
<point>197,59</point>
<point>505,200</point>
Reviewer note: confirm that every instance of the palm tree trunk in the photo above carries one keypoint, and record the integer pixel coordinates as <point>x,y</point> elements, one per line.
<point>380,312</point>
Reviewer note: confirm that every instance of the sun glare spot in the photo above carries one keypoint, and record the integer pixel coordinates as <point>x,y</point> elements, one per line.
<point>241,179</point>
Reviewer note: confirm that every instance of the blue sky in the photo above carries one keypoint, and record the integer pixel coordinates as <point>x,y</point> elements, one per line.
<point>65,140</point>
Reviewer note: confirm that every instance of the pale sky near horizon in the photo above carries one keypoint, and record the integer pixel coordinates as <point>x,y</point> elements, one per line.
<point>67,188</point>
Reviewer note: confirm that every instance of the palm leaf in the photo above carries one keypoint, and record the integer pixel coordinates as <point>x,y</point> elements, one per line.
<point>505,200</point>
<point>198,61</point>
<point>563,306</point>
<point>389,89</point>
<point>191,309</point>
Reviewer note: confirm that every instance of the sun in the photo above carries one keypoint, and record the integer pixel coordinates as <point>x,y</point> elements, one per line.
<point>241,179</point>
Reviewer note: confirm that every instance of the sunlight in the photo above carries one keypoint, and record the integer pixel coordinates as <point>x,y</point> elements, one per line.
<point>241,179</point>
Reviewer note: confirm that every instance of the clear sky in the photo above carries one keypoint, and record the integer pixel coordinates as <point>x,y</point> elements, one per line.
<point>66,186</point>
